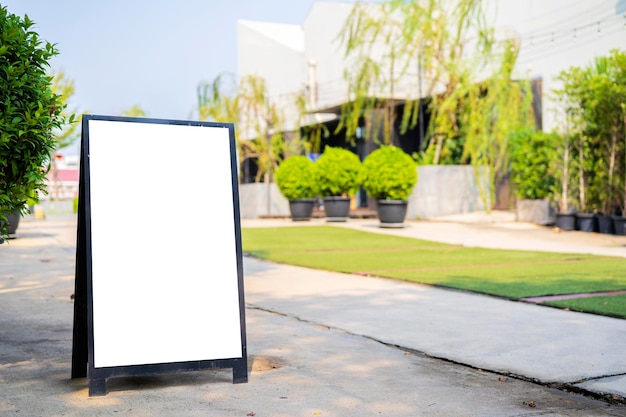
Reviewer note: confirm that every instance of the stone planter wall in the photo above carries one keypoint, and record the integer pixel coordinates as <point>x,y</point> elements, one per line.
<point>253,201</point>
<point>535,211</point>
<point>441,190</point>
<point>444,190</point>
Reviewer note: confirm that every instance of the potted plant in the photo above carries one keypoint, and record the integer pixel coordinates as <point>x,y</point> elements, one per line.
<point>389,176</point>
<point>338,175</point>
<point>566,214</point>
<point>11,224</point>
<point>295,179</point>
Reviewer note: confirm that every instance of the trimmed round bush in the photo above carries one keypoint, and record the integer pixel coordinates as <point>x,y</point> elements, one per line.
<point>389,174</point>
<point>295,178</point>
<point>338,172</point>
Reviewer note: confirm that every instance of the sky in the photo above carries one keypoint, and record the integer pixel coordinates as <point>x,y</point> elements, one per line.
<point>150,53</point>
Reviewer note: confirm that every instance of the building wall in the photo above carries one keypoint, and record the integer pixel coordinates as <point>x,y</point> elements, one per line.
<point>443,190</point>
<point>322,46</point>
<point>274,52</point>
<point>559,34</point>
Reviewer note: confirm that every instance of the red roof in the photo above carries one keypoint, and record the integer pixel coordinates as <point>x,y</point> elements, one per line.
<point>65,175</point>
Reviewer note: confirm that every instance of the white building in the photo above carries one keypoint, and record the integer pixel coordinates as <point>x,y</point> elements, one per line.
<point>554,34</point>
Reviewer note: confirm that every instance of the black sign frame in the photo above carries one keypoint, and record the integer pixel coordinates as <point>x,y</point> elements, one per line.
<point>83,355</point>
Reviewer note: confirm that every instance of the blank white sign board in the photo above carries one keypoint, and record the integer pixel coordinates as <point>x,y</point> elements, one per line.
<point>165,259</point>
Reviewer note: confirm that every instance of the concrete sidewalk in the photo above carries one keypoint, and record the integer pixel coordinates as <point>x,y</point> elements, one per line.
<point>319,343</point>
<point>554,347</point>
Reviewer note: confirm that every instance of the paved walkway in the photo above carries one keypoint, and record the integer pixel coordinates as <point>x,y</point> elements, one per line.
<point>327,344</point>
<point>582,351</point>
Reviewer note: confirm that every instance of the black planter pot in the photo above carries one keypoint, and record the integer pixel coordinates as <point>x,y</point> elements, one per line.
<point>605,224</point>
<point>301,209</point>
<point>391,213</point>
<point>566,221</point>
<point>337,209</point>
<point>619,224</point>
<point>13,222</point>
<point>586,222</point>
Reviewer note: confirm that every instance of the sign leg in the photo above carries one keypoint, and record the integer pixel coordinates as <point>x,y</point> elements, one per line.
<point>97,387</point>
<point>240,372</point>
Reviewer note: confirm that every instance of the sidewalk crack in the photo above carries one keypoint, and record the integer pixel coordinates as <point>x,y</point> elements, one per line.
<point>569,387</point>
<point>595,378</point>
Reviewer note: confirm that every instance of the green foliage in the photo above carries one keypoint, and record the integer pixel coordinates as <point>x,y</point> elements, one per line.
<point>465,73</point>
<point>29,113</point>
<point>338,172</point>
<point>295,178</point>
<point>135,111</point>
<point>75,205</point>
<point>448,151</point>
<point>489,271</point>
<point>592,98</point>
<point>260,130</point>
<point>389,174</point>
<point>64,88</point>
<point>532,163</point>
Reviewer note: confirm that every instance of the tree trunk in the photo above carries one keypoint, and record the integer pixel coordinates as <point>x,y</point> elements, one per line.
<point>624,195</point>
<point>565,178</point>
<point>581,175</point>
<point>607,204</point>
<point>438,148</point>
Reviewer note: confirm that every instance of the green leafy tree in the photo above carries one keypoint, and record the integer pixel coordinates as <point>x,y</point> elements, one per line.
<point>260,122</point>
<point>69,133</point>
<point>593,100</point>
<point>463,69</point>
<point>30,113</point>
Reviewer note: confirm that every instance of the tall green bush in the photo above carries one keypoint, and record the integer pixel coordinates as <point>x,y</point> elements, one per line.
<point>29,113</point>
<point>533,155</point>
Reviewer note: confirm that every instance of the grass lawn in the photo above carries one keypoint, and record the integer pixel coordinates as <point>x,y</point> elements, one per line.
<point>614,305</point>
<point>505,273</point>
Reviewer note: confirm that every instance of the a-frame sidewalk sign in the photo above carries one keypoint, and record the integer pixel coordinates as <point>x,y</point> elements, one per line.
<point>159,272</point>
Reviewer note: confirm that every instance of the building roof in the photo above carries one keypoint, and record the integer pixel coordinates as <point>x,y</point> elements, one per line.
<point>290,36</point>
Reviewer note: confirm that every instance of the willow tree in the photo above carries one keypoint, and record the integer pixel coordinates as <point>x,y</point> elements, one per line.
<point>259,121</point>
<point>444,51</point>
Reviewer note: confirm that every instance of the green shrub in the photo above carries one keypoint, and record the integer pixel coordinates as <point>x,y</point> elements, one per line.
<point>533,156</point>
<point>295,178</point>
<point>338,172</point>
<point>389,174</point>
<point>29,113</point>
